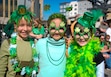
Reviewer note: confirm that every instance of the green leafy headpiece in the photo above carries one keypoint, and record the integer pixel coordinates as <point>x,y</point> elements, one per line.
<point>19,13</point>
<point>89,18</point>
<point>57,15</point>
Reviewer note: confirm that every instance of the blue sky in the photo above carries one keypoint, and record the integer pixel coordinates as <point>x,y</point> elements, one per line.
<point>54,4</point>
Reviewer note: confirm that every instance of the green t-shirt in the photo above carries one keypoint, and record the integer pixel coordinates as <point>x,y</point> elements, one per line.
<point>38,31</point>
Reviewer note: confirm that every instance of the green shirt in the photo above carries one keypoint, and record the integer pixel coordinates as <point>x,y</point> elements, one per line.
<point>38,31</point>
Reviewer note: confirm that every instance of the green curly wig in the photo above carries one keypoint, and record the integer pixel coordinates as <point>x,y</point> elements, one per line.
<point>21,11</point>
<point>57,15</point>
<point>80,61</point>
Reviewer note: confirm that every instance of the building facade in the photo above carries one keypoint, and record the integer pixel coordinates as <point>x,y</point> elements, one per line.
<point>62,8</point>
<point>78,7</point>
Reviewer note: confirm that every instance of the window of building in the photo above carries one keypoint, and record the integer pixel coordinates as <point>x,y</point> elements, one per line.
<point>75,13</point>
<point>75,5</point>
<point>61,6</point>
<point>75,9</point>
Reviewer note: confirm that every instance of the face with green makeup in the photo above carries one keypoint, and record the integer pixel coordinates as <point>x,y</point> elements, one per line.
<point>81,34</point>
<point>57,28</point>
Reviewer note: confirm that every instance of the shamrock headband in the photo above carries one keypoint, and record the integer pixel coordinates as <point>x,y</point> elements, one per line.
<point>57,15</point>
<point>19,13</point>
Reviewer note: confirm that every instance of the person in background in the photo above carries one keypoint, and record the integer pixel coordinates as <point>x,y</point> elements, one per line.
<point>104,44</point>
<point>108,31</point>
<point>102,39</point>
<point>97,33</point>
<point>46,30</point>
<point>108,60</point>
<point>107,41</point>
<point>84,56</point>
<point>18,57</point>
<point>103,27</point>
<point>52,49</point>
<point>38,29</point>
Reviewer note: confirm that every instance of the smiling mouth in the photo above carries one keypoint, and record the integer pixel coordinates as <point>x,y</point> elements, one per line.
<point>24,33</point>
<point>81,41</point>
<point>56,35</point>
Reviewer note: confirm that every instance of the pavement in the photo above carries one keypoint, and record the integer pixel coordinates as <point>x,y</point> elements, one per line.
<point>107,73</point>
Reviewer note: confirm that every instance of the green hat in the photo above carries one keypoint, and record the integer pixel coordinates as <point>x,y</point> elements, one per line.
<point>85,21</point>
<point>22,10</point>
<point>90,18</point>
<point>19,13</point>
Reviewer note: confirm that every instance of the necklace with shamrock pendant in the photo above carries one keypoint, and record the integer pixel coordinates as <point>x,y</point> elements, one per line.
<point>16,64</point>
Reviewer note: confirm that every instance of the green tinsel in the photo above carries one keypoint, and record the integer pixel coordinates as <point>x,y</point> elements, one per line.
<point>16,16</point>
<point>80,61</point>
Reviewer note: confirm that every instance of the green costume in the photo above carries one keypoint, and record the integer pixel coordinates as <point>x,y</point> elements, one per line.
<point>26,55</point>
<point>18,58</point>
<point>83,60</point>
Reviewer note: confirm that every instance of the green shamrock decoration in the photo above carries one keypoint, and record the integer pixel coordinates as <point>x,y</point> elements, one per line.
<point>77,30</point>
<point>86,30</point>
<point>62,24</point>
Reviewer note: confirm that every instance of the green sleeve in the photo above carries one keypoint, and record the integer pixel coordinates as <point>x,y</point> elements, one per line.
<point>42,31</point>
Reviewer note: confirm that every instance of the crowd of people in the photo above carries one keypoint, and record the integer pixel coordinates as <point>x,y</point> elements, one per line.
<point>104,33</point>
<point>81,51</point>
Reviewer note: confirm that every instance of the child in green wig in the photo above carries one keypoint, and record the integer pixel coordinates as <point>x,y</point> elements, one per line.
<point>18,57</point>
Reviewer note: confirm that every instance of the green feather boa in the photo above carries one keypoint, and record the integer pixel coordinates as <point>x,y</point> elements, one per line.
<point>80,61</point>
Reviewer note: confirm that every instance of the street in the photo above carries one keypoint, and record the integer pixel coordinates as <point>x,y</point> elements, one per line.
<point>107,73</point>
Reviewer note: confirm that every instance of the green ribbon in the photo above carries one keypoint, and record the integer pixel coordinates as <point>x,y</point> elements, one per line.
<point>17,69</point>
<point>13,52</point>
<point>28,70</point>
<point>13,40</point>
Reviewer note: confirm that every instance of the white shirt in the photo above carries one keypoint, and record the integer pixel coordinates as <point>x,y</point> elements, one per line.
<point>108,32</point>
